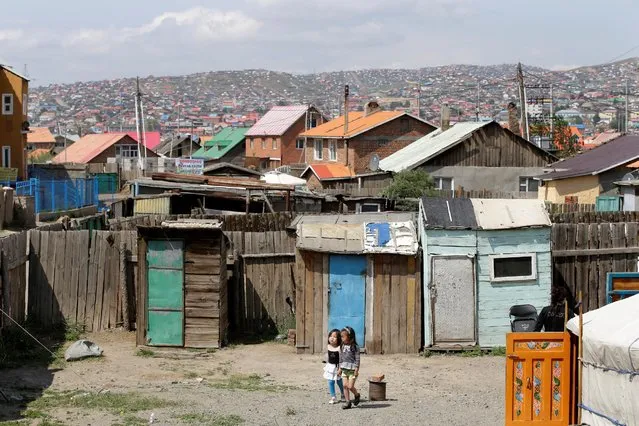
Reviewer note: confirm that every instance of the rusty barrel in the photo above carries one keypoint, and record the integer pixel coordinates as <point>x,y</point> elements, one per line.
<point>376,390</point>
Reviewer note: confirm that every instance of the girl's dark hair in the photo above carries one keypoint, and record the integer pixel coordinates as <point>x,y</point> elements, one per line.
<point>339,336</point>
<point>351,333</point>
<point>558,294</point>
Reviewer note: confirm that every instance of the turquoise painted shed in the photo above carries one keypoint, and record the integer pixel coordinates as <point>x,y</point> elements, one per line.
<point>481,256</point>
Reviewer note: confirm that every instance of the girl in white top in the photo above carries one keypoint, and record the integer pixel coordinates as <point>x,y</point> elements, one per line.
<point>332,365</point>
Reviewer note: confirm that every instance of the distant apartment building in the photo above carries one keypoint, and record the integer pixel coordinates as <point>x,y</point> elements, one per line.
<point>273,140</point>
<point>14,91</point>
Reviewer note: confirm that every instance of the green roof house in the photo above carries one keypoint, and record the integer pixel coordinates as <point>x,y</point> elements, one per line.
<point>227,146</point>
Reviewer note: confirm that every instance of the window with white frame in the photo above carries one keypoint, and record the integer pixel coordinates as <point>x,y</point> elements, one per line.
<point>263,143</point>
<point>126,151</point>
<point>299,143</point>
<point>7,104</point>
<point>332,151</point>
<point>274,143</point>
<point>368,208</point>
<point>25,109</point>
<point>6,156</point>
<point>444,183</point>
<point>528,184</point>
<point>513,267</point>
<point>319,148</point>
<point>251,143</point>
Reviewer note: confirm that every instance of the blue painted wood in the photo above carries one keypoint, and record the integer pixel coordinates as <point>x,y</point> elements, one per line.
<point>165,300</point>
<point>493,299</point>
<point>621,293</point>
<point>347,294</point>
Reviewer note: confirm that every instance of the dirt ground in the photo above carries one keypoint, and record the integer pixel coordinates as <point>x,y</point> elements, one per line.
<point>262,384</point>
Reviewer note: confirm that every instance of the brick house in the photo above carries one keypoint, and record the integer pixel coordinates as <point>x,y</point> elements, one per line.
<point>369,136</point>
<point>273,140</point>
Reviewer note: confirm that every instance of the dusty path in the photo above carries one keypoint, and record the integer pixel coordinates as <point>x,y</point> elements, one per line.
<point>265,384</point>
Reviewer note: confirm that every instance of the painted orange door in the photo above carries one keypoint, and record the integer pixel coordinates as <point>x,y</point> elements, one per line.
<point>538,378</point>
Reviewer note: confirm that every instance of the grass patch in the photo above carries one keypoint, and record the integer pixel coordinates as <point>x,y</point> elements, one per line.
<point>473,353</point>
<point>286,324</point>
<point>145,353</point>
<point>250,383</point>
<point>118,403</point>
<point>212,419</point>
<point>73,331</point>
<point>290,411</point>
<point>498,351</point>
<point>427,353</point>
<point>191,375</point>
<point>131,420</point>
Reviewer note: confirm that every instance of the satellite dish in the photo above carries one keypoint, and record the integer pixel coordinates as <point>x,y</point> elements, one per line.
<point>628,177</point>
<point>373,165</point>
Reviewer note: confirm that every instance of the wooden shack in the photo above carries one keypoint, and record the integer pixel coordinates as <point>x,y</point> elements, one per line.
<point>359,270</point>
<point>481,257</point>
<point>182,285</point>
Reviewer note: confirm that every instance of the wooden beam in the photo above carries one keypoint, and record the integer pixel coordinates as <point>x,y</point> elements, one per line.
<point>268,202</point>
<point>265,255</point>
<point>595,252</point>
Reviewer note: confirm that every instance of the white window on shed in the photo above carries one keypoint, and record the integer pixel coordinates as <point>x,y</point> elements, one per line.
<point>513,267</point>
<point>444,183</point>
<point>368,208</point>
<point>528,184</point>
<point>332,150</point>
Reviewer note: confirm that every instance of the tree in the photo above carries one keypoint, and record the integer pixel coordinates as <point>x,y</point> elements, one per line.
<point>566,143</point>
<point>596,119</point>
<point>407,187</point>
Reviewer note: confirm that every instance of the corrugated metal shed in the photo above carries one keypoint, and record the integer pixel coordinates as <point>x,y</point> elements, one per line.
<point>509,214</point>
<point>277,121</point>
<point>390,233</point>
<point>429,146</point>
<point>455,213</point>
<point>152,205</point>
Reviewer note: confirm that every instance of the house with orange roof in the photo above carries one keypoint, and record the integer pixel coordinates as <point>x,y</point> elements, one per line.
<point>345,148</point>
<point>40,141</point>
<point>97,148</point>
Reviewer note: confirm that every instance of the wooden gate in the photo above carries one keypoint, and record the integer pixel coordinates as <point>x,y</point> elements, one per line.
<point>539,379</point>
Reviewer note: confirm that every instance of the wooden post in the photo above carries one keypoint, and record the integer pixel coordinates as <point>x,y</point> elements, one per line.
<point>124,290</point>
<point>288,201</point>
<point>581,361</point>
<point>248,200</point>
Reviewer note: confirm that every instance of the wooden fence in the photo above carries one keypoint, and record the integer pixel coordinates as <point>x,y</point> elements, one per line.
<point>81,277</point>
<point>13,278</point>
<point>584,253</point>
<point>595,217</point>
<point>554,209</point>
<point>254,222</point>
<point>262,281</point>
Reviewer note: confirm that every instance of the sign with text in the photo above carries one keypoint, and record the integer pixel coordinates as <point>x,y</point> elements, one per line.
<point>189,166</point>
<point>8,174</point>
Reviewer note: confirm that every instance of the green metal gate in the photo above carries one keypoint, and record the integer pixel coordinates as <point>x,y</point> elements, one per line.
<point>165,272</point>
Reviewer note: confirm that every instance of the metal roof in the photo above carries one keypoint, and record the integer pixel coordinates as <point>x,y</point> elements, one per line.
<point>223,141</point>
<point>88,147</point>
<point>485,214</point>
<point>617,152</point>
<point>277,121</point>
<point>358,123</point>
<point>40,135</point>
<point>391,233</point>
<point>441,213</point>
<point>429,146</point>
<point>329,171</point>
<point>509,214</point>
<point>221,166</point>
<point>14,72</point>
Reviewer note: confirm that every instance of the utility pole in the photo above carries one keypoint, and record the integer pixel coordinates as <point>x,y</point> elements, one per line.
<point>419,99</point>
<point>625,126</point>
<point>523,102</point>
<point>477,104</point>
<point>138,115</point>
<point>346,93</point>
<point>552,117</point>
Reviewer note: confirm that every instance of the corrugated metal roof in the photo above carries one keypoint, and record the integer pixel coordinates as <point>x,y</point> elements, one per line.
<point>40,135</point>
<point>607,156</point>
<point>224,141</point>
<point>508,214</point>
<point>14,72</point>
<point>392,233</point>
<point>151,139</point>
<point>455,213</point>
<point>428,147</point>
<point>88,147</point>
<point>277,121</point>
<point>357,123</point>
<point>329,171</point>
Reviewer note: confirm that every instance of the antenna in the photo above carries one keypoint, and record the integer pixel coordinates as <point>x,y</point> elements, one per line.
<point>373,164</point>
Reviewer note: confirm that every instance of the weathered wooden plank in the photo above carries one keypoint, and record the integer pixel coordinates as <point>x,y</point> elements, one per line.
<point>318,309</point>
<point>141,300</point>
<point>395,305</point>
<point>411,285</point>
<point>35,275</point>
<point>589,289</point>
<point>596,252</point>
<point>99,279</point>
<point>403,301</point>
<point>309,308</point>
<point>92,283</point>
<point>199,322</point>
<point>202,297</point>
<point>201,312</point>
<point>300,300</point>
<point>605,262</point>
<point>386,305</point>
<point>60,285</point>
<point>83,272</point>
<point>631,239</point>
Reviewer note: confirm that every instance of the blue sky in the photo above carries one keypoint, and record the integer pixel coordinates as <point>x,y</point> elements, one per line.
<point>72,40</point>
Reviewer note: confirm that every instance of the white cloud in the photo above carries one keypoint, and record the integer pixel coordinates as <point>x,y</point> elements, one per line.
<point>199,24</point>
<point>11,35</point>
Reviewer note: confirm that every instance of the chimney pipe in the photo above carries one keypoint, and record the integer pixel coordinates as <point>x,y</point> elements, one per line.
<point>346,93</point>
<point>513,121</point>
<point>445,117</point>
